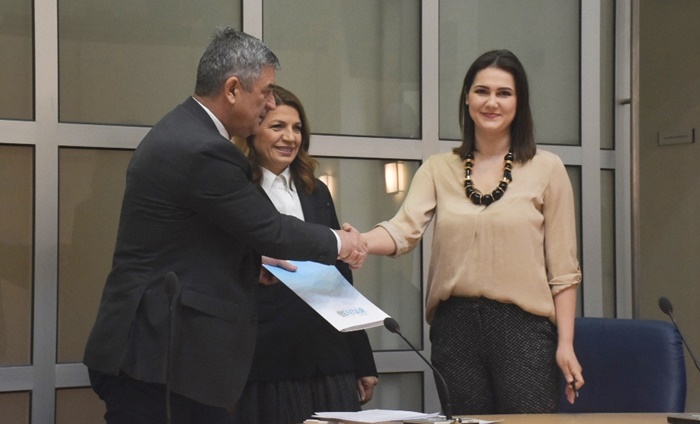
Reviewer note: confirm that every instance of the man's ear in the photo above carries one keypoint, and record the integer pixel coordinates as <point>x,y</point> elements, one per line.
<point>232,88</point>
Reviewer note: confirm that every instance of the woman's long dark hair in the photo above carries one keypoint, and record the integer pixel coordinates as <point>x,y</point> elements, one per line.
<point>522,129</point>
<point>303,166</point>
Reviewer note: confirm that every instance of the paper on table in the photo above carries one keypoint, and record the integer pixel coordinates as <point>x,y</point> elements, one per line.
<point>383,416</point>
<point>325,289</point>
<point>373,416</point>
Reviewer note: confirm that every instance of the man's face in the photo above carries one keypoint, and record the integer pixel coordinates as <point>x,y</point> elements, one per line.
<point>252,105</point>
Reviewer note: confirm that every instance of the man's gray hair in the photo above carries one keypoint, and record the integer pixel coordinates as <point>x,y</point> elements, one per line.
<point>232,53</point>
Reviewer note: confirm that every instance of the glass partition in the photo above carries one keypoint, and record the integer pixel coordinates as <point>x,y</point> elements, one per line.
<point>14,407</point>
<point>354,63</point>
<point>80,405</point>
<point>575,177</point>
<point>545,36</point>
<point>91,187</point>
<point>607,75</point>
<point>16,60</point>
<point>607,219</point>
<point>16,253</point>
<point>130,62</point>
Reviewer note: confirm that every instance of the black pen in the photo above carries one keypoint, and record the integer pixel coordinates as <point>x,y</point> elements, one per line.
<point>573,387</point>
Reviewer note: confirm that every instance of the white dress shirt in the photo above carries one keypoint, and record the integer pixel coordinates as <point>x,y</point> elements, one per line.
<point>281,190</point>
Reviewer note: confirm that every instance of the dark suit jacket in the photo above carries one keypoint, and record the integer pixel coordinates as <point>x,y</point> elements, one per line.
<point>294,341</point>
<point>189,207</point>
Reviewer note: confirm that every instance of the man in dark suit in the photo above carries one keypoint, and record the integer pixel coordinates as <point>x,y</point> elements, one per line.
<point>190,208</point>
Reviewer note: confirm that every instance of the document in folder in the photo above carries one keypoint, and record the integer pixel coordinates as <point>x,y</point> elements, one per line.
<point>325,289</point>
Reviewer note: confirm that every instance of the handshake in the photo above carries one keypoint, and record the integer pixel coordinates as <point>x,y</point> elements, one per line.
<point>353,251</point>
<point>354,248</point>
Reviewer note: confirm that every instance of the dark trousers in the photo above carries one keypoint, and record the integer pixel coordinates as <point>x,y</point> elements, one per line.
<point>495,357</point>
<point>131,401</point>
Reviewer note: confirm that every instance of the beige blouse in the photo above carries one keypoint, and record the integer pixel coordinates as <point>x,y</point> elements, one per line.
<point>520,249</point>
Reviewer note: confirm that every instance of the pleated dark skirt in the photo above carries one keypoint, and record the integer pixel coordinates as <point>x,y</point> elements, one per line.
<point>293,401</point>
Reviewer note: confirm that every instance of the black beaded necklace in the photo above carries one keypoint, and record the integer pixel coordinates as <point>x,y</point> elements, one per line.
<point>474,194</point>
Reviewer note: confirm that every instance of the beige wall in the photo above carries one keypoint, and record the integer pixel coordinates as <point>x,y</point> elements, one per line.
<point>669,175</point>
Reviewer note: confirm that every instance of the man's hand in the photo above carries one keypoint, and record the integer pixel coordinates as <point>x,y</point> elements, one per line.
<point>353,250</point>
<point>266,278</point>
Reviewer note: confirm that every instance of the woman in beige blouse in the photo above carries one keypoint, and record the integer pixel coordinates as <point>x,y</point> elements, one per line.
<point>503,272</point>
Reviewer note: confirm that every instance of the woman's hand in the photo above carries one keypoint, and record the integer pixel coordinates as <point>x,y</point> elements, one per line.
<point>566,359</point>
<point>365,388</point>
<point>565,307</point>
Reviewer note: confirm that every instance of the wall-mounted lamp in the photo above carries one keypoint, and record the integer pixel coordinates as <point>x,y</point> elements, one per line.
<point>329,181</point>
<point>394,177</point>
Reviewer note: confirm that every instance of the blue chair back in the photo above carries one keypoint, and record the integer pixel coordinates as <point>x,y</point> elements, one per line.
<point>630,365</point>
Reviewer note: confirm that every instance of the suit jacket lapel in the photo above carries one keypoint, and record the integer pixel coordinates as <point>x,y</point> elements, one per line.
<point>196,109</point>
<point>307,205</point>
<point>193,107</point>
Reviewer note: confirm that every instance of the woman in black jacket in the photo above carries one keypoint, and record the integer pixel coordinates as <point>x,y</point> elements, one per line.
<point>302,364</point>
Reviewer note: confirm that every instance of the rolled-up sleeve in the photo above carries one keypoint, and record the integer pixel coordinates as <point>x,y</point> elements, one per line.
<point>406,228</point>
<point>560,232</point>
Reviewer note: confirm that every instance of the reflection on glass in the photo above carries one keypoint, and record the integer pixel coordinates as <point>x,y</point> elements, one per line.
<point>131,62</point>
<point>16,247</point>
<point>78,406</point>
<point>398,391</point>
<point>392,284</point>
<point>607,219</point>
<point>356,63</point>
<point>17,63</point>
<point>14,407</point>
<point>544,34</point>
<point>394,177</point>
<point>91,186</point>
<point>575,177</point>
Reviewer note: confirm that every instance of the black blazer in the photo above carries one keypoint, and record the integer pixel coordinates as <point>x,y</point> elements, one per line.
<point>294,341</point>
<point>189,207</point>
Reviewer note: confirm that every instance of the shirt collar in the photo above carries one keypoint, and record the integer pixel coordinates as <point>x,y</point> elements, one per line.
<point>219,125</point>
<point>268,177</point>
